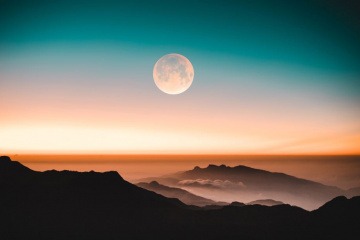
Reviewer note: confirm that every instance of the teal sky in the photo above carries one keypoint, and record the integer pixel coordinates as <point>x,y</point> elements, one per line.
<point>257,63</point>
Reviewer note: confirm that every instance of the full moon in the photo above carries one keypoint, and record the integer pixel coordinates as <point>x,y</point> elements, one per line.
<point>173,73</point>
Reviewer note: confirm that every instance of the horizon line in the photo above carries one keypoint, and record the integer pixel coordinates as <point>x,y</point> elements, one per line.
<point>114,158</point>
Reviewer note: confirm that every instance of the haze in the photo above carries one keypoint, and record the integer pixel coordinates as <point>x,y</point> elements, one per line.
<point>340,171</point>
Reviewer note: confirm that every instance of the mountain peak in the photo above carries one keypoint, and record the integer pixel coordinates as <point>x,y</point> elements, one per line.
<point>154,184</point>
<point>196,168</point>
<point>9,167</point>
<point>5,159</point>
<point>335,202</point>
<point>13,168</point>
<point>114,174</point>
<point>237,204</point>
<point>265,202</point>
<point>213,166</point>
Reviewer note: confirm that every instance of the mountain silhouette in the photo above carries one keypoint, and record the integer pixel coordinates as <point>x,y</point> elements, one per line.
<point>352,192</point>
<point>245,184</point>
<point>237,204</point>
<point>192,199</point>
<point>265,202</point>
<point>91,205</point>
<point>184,196</point>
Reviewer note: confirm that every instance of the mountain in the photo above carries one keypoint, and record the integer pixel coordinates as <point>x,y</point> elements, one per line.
<point>184,196</point>
<point>91,205</point>
<point>245,184</point>
<point>70,204</point>
<point>353,192</point>
<point>265,202</point>
<point>191,199</point>
<point>237,204</point>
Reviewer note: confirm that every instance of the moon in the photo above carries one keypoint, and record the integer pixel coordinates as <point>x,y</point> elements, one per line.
<point>173,73</point>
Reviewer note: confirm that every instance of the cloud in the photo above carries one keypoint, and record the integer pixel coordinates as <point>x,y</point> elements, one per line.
<point>211,183</point>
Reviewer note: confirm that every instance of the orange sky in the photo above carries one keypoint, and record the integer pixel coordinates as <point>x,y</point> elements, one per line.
<point>341,171</point>
<point>64,112</point>
<point>164,135</point>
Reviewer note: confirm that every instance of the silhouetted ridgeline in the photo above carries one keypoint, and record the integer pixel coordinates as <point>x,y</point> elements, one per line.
<point>91,205</point>
<point>184,196</point>
<point>245,184</point>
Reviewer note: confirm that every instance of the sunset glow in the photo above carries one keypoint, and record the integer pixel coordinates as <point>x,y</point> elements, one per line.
<point>75,92</point>
<point>68,139</point>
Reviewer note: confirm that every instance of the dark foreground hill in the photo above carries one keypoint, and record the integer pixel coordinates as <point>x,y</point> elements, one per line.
<point>90,205</point>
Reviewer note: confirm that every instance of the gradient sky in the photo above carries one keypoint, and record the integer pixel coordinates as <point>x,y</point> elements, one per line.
<point>271,77</point>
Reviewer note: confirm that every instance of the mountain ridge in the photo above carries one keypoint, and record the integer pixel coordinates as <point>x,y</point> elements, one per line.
<point>246,184</point>
<point>90,205</point>
<point>181,194</point>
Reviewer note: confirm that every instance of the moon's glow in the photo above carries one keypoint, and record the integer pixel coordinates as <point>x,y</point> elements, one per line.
<point>173,73</point>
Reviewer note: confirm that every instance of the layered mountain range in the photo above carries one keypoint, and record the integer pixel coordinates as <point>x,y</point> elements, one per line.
<point>245,184</point>
<point>178,193</point>
<point>92,205</point>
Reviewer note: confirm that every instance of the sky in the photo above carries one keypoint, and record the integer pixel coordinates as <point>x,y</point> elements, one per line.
<point>271,77</point>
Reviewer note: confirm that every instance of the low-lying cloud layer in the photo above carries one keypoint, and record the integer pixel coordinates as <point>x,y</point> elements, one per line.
<point>211,183</point>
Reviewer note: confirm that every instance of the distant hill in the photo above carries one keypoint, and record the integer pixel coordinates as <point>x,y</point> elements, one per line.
<point>245,184</point>
<point>352,192</point>
<point>265,202</point>
<point>191,199</point>
<point>237,204</point>
<point>184,196</point>
<point>89,205</point>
